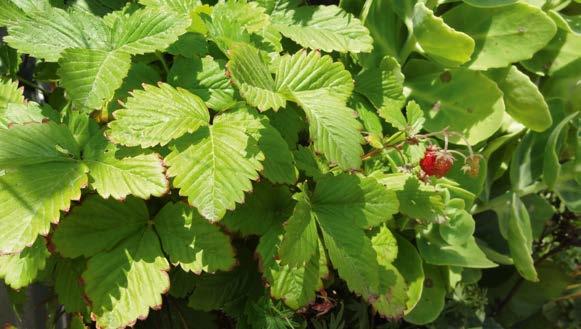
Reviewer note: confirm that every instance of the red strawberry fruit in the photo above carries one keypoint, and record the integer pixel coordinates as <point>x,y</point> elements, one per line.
<point>436,162</point>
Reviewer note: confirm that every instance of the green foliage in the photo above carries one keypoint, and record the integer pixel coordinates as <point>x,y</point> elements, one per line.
<point>256,164</point>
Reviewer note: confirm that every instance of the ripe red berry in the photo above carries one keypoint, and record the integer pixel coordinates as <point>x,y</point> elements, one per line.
<point>436,162</point>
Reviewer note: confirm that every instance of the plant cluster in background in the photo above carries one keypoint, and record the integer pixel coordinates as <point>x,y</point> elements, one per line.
<point>281,164</point>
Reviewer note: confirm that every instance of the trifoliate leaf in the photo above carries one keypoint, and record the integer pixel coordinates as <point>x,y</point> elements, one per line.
<point>118,176</point>
<point>156,115</point>
<point>46,34</point>
<point>328,28</point>
<point>91,76</point>
<point>20,270</point>
<point>123,283</point>
<point>99,224</point>
<point>147,30</point>
<point>41,178</point>
<point>215,166</point>
<point>190,241</point>
<point>252,76</point>
<point>205,77</point>
<point>384,88</point>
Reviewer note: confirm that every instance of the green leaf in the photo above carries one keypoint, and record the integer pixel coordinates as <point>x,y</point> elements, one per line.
<point>349,198</point>
<point>215,166</point>
<point>522,98</point>
<point>98,225</point>
<point>192,242</point>
<point>123,283</point>
<point>301,239</point>
<point>156,115</point>
<point>436,251</point>
<point>352,254</point>
<point>437,40</point>
<point>279,165</point>
<point>67,283</point>
<point>384,88</point>
<point>28,112</point>
<point>205,77</point>
<point>115,175</point>
<point>409,264</point>
<point>515,225</point>
<point>551,163</point>
<point>328,28</point>
<point>459,228</point>
<point>295,285</point>
<point>489,3</point>
<point>147,30</point>
<point>20,270</point>
<point>46,34</point>
<point>40,179</point>
<point>567,186</point>
<point>251,75</point>
<point>458,99</point>
<point>385,246</point>
<point>178,6</point>
<point>559,57</point>
<point>385,27</point>
<point>9,93</point>
<point>266,206</point>
<point>433,297</point>
<point>503,35</point>
<point>333,128</point>
<point>416,201</point>
<point>228,291</point>
<point>91,76</point>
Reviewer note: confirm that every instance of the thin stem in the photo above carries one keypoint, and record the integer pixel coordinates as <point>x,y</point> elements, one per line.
<point>163,62</point>
<point>408,48</point>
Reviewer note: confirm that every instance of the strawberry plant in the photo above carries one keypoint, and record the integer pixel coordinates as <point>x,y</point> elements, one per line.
<point>291,164</point>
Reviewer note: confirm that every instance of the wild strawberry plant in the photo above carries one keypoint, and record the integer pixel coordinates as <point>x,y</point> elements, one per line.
<point>280,164</point>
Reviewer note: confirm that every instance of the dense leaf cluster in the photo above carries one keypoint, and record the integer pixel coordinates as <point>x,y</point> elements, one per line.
<point>254,164</point>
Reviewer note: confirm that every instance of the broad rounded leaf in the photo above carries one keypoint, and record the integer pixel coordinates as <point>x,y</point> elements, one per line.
<point>503,35</point>
<point>433,297</point>
<point>438,41</point>
<point>156,115</point>
<point>551,163</point>
<point>436,251</point>
<point>409,264</point>
<point>459,228</point>
<point>190,241</point>
<point>458,99</point>
<point>523,100</point>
